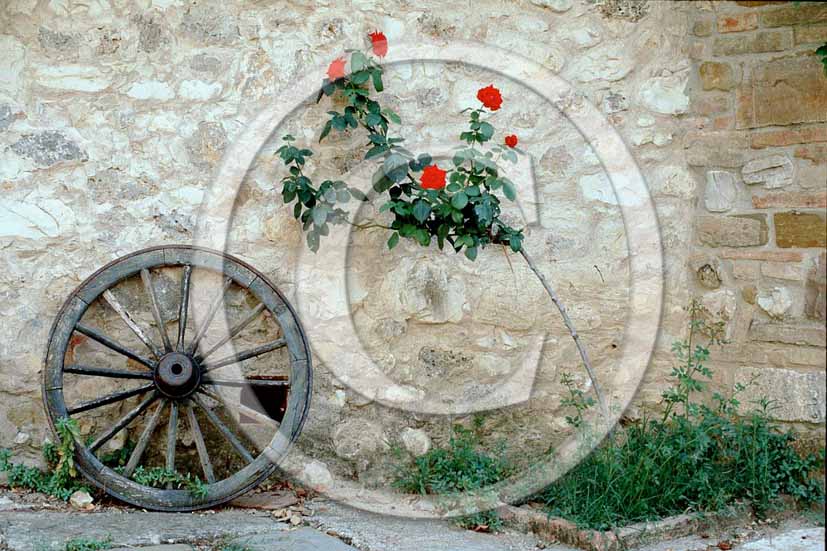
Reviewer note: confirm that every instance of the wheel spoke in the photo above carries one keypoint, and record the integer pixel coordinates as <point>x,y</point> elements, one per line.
<point>113,345</point>
<point>224,429</point>
<point>130,322</point>
<point>195,428</point>
<point>172,439</point>
<point>235,330</point>
<point>100,372</point>
<point>123,422</point>
<point>243,382</point>
<point>183,307</point>
<point>246,355</point>
<point>156,310</point>
<point>143,441</point>
<point>246,410</point>
<point>110,399</point>
<point>217,301</point>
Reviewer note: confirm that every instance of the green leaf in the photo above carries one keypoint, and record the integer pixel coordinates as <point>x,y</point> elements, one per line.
<point>320,215</point>
<point>358,61</point>
<point>373,119</point>
<point>471,253</point>
<point>394,239</point>
<point>377,80</point>
<point>326,130</point>
<point>297,210</point>
<point>508,190</point>
<point>459,200</point>
<point>375,151</point>
<point>360,77</point>
<point>358,195</point>
<point>421,210</point>
<point>392,116</point>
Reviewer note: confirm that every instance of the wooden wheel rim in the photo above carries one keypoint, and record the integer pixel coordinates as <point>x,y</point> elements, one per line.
<point>243,275</point>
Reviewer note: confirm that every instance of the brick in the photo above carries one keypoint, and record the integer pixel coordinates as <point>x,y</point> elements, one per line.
<point>746,21</point>
<point>717,76</point>
<point>790,199</point>
<point>814,153</point>
<point>795,396</point>
<point>747,230</point>
<point>801,230</point>
<point>703,27</point>
<point>783,91</point>
<point>774,256</point>
<point>786,333</point>
<point>722,149</point>
<point>760,42</point>
<point>789,136</point>
<point>810,34</point>
<point>805,13</point>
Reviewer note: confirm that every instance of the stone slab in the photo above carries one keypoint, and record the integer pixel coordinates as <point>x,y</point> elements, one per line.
<point>303,539</point>
<point>807,539</point>
<point>49,530</point>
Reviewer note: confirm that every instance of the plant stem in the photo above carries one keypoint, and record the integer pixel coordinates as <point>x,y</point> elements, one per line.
<point>572,330</point>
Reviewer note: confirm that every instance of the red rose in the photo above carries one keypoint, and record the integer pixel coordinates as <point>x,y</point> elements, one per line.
<point>336,69</point>
<point>379,42</point>
<point>433,177</point>
<point>490,97</point>
<point>511,141</point>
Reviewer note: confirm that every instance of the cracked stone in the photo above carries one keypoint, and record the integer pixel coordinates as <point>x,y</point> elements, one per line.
<point>775,171</point>
<point>776,302</point>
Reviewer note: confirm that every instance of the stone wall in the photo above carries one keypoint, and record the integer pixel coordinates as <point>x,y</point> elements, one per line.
<point>114,115</point>
<point>759,147</point>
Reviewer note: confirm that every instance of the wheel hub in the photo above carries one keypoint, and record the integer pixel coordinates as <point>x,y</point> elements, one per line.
<point>177,375</point>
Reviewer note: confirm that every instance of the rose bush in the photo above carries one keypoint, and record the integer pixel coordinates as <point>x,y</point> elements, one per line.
<point>458,204</point>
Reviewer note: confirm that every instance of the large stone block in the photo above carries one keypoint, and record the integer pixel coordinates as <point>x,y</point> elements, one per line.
<point>794,396</point>
<point>761,42</point>
<point>732,231</point>
<point>798,229</point>
<point>783,91</point>
<point>787,333</point>
<point>723,149</point>
<point>805,13</point>
<point>717,76</point>
<point>811,34</point>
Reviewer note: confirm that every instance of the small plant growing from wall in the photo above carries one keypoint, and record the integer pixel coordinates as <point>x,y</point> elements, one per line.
<point>458,205</point>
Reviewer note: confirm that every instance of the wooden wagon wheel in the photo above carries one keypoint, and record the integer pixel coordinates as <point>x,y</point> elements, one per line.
<point>164,380</point>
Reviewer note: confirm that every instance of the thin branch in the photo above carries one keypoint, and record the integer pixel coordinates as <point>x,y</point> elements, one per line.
<point>572,330</point>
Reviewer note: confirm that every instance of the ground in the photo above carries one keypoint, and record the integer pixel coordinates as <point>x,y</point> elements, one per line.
<point>32,522</point>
